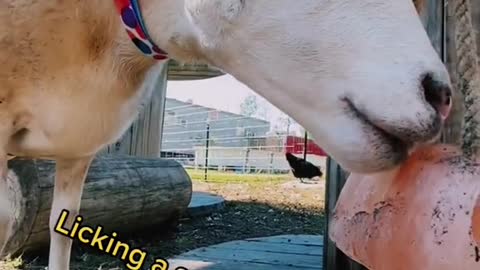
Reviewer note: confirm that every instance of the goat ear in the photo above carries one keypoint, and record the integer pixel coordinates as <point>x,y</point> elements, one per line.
<point>212,18</point>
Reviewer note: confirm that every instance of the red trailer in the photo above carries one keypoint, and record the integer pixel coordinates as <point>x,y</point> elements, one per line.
<point>296,145</point>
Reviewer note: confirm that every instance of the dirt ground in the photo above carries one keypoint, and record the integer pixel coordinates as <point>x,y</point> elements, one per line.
<point>253,209</point>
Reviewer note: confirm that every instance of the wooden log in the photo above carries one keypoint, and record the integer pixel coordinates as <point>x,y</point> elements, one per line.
<point>122,194</point>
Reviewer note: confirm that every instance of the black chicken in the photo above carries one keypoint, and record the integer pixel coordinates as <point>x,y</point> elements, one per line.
<point>301,168</point>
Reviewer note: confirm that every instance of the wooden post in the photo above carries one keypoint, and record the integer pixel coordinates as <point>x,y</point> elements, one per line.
<point>207,144</point>
<point>271,163</point>
<point>334,259</point>
<point>245,162</point>
<point>144,137</point>
<point>305,145</point>
<point>147,130</point>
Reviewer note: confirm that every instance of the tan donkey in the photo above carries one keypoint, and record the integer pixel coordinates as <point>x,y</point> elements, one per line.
<point>361,76</point>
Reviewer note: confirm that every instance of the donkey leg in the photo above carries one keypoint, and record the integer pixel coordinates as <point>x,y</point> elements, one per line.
<point>69,179</point>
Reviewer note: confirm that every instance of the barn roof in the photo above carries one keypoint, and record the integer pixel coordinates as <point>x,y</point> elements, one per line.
<point>183,72</point>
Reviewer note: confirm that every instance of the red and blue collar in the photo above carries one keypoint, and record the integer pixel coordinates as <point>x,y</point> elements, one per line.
<point>134,25</point>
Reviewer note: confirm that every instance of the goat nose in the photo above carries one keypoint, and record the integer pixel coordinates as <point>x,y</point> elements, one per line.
<point>438,95</point>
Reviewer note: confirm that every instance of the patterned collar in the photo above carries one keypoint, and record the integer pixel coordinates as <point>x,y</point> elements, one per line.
<point>134,25</point>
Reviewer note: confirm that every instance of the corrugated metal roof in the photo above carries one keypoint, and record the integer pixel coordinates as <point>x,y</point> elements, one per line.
<point>183,72</point>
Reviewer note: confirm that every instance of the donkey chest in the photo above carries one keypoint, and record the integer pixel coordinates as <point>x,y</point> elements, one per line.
<point>77,125</point>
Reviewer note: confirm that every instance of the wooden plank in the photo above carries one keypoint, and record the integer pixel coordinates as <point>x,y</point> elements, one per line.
<point>254,256</point>
<point>223,265</point>
<point>258,253</point>
<point>273,247</point>
<point>315,240</point>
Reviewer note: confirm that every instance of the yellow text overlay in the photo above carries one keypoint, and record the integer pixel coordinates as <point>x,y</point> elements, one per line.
<point>133,258</point>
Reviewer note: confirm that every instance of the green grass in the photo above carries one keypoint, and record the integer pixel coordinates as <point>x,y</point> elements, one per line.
<point>227,177</point>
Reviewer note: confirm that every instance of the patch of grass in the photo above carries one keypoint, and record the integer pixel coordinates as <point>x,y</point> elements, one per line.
<point>231,177</point>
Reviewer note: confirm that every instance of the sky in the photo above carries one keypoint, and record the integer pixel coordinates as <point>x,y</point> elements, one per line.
<point>223,93</point>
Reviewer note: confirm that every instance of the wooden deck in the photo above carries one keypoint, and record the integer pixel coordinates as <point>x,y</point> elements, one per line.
<point>284,252</point>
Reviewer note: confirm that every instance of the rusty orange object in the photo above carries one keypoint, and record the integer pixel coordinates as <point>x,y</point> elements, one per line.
<point>425,215</point>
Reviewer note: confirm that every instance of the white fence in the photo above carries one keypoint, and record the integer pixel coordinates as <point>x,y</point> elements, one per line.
<point>204,138</point>
<point>244,159</point>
